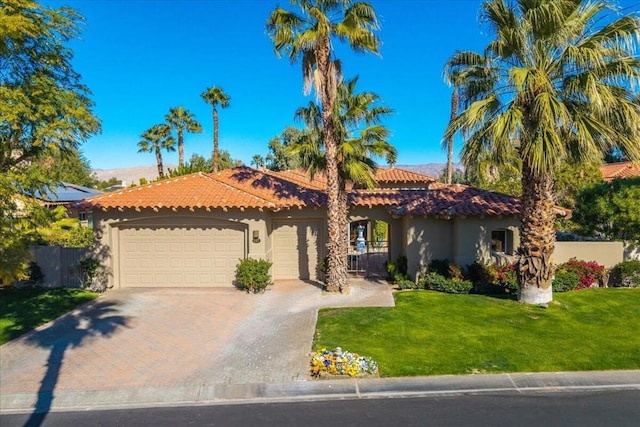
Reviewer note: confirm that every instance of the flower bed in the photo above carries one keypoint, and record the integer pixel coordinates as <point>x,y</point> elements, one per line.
<point>341,363</point>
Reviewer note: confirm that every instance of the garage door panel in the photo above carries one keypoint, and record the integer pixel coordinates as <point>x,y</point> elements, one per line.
<point>296,249</point>
<point>180,256</point>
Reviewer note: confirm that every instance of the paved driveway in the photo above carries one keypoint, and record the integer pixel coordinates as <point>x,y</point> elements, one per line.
<point>149,338</point>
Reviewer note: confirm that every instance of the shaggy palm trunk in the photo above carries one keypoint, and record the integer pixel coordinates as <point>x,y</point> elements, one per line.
<point>180,149</point>
<point>454,112</point>
<point>159,162</point>
<point>344,227</point>
<point>337,274</point>
<point>216,154</point>
<point>537,238</point>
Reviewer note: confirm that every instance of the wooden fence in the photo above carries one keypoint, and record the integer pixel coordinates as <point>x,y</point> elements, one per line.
<point>59,265</point>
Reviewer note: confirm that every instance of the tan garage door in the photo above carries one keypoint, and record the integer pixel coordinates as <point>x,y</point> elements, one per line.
<point>165,256</point>
<point>296,249</point>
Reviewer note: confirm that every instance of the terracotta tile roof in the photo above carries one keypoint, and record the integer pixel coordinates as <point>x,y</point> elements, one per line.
<point>189,191</point>
<point>273,187</point>
<point>245,187</point>
<point>462,200</point>
<point>453,200</point>
<point>383,176</point>
<point>612,171</point>
<point>300,177</point>
<point>390,198</point>
<point>393,174</point>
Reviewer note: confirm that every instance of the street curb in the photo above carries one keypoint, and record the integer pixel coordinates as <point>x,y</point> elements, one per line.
<point>216,394</point>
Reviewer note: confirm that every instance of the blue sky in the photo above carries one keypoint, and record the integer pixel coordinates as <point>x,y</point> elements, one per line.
<point>140,58</point>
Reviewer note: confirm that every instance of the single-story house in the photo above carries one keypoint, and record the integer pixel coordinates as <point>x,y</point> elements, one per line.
<point>192,230</point>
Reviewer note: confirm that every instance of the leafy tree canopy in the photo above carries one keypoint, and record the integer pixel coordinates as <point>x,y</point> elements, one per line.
<point>280,157</point>
<point>101,185</point>
<point>198,163</point>
<point>45,110</point>
<point>72,167</point>
<point>610,210</point>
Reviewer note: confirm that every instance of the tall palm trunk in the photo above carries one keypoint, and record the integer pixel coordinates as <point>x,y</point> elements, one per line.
<point>216,154</point>
<point>537,238</point>
<point>454,113</point>
<point>337,278</point>
<point>180,149</point>
<point>343,207</point>
<point>159,161</point>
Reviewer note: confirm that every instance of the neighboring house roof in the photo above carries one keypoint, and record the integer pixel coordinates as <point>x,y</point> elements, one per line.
<point>244,187</point>
<point>396,175</point>
<point>611,171</point>
<point>66,193</point>
<point>383,175</point>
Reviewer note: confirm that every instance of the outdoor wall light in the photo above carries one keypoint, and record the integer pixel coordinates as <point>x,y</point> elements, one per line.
<point>256,236</point>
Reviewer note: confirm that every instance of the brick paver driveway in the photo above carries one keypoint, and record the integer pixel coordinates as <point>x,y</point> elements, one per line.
<point>141,338</point>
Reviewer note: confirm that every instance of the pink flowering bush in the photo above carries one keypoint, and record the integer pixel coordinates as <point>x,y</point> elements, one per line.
<point>589,273</point>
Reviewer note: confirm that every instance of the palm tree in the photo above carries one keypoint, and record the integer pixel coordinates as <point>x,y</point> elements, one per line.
<point>308,37</point>
<point>257,161</point>
<point>558,84</point>
<point>182,120</point>
<point>215,96</point>
<point>448,142</point>
<point>358,131</point>
<point>156,139</point>
<point>360,138</point>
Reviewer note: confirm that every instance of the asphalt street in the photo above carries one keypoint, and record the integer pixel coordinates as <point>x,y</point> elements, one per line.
<point>585,408</point>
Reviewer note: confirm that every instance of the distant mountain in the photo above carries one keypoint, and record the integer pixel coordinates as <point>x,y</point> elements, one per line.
<point>133,174</point>
<point>130,175</point>
<point>431,169</point>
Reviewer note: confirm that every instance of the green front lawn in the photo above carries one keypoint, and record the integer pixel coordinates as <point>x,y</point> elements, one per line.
<point>431,333</point>
<point>22,310</point>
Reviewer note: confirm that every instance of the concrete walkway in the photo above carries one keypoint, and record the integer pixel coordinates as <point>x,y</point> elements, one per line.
<point>157,343</point>
<point>140,348</point>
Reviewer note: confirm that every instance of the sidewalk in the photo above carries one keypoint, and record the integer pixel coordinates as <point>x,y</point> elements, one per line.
<point>328,390</point>
<point>155,347</point>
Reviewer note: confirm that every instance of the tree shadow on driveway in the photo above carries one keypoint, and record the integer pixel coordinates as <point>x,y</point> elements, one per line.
<point>97,319</point>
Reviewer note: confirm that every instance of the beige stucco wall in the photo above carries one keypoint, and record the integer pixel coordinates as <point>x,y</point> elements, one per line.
<point>472,237</point>
<point>427,239</point>
<point>462,240</point>
<point>605,253</point>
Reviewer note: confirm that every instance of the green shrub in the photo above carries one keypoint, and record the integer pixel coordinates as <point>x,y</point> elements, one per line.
<point>253,275</point>
<point>35,274</point>
<point>93,276</point>
<point>445,268</point>
<point>398,270</point>
<point>490,279</point>
<point>588,272</point>
<point>407,284</point>
<point>625,274</point>
<point>565,281</point>
<point>438,282</point>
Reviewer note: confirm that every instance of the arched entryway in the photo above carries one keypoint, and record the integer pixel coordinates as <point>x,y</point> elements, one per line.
<point>368,247</point>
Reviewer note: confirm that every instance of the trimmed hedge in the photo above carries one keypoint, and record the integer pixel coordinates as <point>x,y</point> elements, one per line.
<point>437,282</point>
